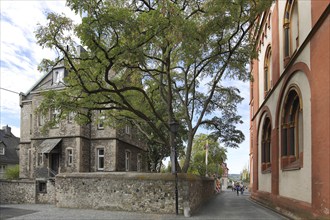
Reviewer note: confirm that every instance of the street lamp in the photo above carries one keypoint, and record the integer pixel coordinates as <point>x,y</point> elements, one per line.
<point>174,126</point>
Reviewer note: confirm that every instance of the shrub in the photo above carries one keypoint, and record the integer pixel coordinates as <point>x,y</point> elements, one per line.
<point>12,173</point>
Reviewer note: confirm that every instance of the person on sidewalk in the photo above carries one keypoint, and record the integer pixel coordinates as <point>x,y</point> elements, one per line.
<point>242,189</point>
<point>237,189</point>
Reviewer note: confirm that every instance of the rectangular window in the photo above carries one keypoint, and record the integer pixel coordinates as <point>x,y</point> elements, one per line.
<point>69,157</point>
<point>42,186</point>
<point>127,160</point>
<point>100,159</point>
<point>139,162</point>
<point>101,118</point>
<point>127,129</point>
<point>2,150</point>
<point>41,119</point>
<point>70,117</point>
<point>55,114</point>
<point>2,169</point>
<point>29,160</point>
<point>30,123</point>
<point>40,159</point>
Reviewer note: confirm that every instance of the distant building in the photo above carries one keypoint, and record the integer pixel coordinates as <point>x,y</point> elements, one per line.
<point>8,150</point>
<point>290,108</point>
<point>70,147</point>
<point>224,176</point>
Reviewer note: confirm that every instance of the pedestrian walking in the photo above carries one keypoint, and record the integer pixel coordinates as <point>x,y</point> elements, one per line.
<point>237,189</point>
<point>242,189</point>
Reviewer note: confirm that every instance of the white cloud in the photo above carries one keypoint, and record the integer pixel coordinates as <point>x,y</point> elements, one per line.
<point>19,53</point>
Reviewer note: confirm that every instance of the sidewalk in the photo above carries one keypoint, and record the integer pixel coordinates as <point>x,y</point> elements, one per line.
<point>226,205</point>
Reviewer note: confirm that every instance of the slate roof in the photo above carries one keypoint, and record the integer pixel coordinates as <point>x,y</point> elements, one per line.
<point>11,143</point>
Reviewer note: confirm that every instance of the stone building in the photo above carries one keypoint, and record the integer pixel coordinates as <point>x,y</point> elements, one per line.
<point>8,150</point>
<point>69,147</point>
<point>290,109</point>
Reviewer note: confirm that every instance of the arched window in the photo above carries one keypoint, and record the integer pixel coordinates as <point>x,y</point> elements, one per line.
<point>291,29</point>
<point>266,145</point>
<point>268,70</point>
<point>292,132</point>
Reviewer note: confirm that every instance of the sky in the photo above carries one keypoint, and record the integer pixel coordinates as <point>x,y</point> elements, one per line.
<point>20,56</point>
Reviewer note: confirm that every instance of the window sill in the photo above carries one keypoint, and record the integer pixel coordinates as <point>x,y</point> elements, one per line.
<point>266,168</point>
<point>295,165</point>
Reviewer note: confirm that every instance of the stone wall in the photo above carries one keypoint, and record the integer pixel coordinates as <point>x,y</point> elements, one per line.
<point>140,192</point>
<point>47,197</point>
<point>17,191</point>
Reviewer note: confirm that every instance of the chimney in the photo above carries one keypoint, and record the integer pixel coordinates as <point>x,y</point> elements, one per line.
<point>7,129</point>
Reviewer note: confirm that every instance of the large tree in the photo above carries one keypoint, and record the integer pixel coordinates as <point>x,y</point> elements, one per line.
<point>153,63</point>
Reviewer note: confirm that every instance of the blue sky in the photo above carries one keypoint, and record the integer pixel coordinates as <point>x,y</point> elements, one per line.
<point>20,56</point>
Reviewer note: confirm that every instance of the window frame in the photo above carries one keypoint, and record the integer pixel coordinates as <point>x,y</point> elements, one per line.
<point>267,71</point>
<point>288,49</point>
<point>139,162</point>
<point>266,145</point>
<point>2,150</point>
<point>101,118</point>
<point>54,114</point>
<point>128,157</point>
<point>291,121</point>
<point>69,157</point>
<point>100,157</point>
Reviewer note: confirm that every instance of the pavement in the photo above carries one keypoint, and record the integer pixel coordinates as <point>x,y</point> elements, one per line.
<point>225,205</point>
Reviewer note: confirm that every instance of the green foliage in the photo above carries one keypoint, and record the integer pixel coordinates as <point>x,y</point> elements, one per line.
<point>216,156</point>
<point>12,173</point>
<point>152,63</point>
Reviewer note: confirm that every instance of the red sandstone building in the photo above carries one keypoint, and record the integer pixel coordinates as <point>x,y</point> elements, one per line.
<point>290,109</point>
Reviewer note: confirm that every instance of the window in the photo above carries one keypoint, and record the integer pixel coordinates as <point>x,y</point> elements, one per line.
<point>127,160</point>
<point>291,131</point>
<point>2,149</point>
<point>55,115</point>
<point>42,187</point>
<point>58,76</point>
<point>100,159</point>
<point>2,169</point>
<point>30,123</point>
<point>101,118</point>
<point>291,29</point>
<point>70,117</point>
<point>40,159</point>
<point>41,119</point>
<point>139,163</point>
<point>268,70</point>
<point>127,129</point>
<point>69,157</point>
<point>29,159</point>
<point>266,146</point>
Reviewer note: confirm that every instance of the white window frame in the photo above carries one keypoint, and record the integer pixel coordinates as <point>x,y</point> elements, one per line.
<point>101,118</point>
<point>2,169</point>
<point>71,117</point>
<point>127,160</point>
<point>99,157</point>
<point>55,113</point>
<point>127,129</point>
<point>69,157</point>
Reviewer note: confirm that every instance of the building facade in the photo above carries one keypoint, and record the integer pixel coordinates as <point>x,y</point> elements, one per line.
<point>69,147</point>
<point>8,150</point>
<point>290,109</point>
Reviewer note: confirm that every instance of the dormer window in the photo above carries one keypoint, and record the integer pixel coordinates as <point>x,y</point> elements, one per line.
<point>58,76</point>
